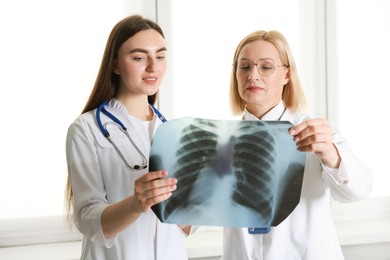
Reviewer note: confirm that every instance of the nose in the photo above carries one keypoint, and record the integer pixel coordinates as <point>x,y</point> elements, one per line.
<point>152,66</point>
<point>254,74</point>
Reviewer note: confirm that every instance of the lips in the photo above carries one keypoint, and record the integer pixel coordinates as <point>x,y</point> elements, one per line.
<point>150,80</point>
<point>254,88</point>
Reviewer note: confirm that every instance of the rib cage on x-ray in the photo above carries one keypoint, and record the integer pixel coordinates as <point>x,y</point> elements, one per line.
<point>254,155</point>
<point>196,149</point>
<point>228,172</point>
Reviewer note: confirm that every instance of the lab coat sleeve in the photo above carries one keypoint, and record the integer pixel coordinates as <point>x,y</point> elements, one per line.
<point>87,182</point>
<point>352,181</point>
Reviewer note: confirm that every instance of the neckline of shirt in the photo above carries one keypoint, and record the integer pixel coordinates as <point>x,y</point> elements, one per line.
<point>272,115</point>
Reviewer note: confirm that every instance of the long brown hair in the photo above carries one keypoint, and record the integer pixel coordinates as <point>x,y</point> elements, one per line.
<point>107,82</point>
<point>292,96</point>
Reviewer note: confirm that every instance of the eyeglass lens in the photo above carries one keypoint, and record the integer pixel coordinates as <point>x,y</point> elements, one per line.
<point>265,67</point>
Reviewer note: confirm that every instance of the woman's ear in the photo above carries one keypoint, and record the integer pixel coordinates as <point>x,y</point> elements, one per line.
<point>286,76</point>
<point>115,68</point>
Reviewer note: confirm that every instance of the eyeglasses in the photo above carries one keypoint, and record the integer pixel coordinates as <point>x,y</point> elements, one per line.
<point>265,67</point>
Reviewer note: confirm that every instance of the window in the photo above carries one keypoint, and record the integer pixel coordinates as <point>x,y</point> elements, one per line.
<point>359,88</point>
<point>202,37</point>
<point>50,54</point>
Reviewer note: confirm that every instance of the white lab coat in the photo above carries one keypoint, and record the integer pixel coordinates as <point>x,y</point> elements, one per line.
<point>100,177</point>
<point>309,232</point>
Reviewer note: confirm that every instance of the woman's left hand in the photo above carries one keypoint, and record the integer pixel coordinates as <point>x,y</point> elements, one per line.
<point>315,135</point>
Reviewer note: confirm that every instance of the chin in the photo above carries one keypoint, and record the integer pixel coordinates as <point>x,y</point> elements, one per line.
<point>151,91</point>
<point>253,100</point>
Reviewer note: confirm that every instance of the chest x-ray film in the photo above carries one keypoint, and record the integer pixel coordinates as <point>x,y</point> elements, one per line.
<point>230,173</point>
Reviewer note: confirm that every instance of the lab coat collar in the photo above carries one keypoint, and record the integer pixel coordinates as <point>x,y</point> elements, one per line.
<point>117,105</point>
<point>271,115</point>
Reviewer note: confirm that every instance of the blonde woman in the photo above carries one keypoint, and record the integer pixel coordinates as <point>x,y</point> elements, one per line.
<point>265,86</point>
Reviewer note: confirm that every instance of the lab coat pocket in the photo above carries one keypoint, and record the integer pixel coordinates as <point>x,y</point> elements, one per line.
<point>116,135</point>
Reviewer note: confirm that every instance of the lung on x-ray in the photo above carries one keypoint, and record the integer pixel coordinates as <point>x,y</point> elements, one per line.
<point>230,173</point>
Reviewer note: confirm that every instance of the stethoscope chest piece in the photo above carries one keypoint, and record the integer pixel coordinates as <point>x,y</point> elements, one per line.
<point>116,122</point>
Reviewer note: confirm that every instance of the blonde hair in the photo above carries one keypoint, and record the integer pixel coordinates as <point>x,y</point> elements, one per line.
<point>292,96</point>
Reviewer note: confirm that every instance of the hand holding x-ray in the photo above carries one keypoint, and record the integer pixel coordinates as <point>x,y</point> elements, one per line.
<point>152,188</point>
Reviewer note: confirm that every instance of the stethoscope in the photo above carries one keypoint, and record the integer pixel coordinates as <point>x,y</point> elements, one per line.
<point>103,129</point>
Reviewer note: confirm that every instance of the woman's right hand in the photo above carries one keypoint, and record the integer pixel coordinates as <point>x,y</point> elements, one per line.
<point>152,188</point>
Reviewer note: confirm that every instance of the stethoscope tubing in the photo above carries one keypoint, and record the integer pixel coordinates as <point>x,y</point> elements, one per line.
<point>109,115</point>
<point>106,134</point>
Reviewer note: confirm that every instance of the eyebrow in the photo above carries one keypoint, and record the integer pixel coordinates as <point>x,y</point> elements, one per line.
<point>146,51</point>
<point>246,59</point>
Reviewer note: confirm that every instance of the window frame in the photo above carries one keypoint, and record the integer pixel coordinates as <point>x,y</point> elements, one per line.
<point>52,229</point>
